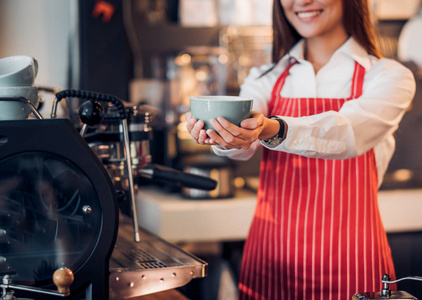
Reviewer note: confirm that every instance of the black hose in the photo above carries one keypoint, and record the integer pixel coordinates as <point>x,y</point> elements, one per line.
<point>94,96</point>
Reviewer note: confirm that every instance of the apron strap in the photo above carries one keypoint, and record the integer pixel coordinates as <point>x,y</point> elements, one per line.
<point>279,85</point>
<point>356,89</point>
<point>357,81</point>
<point>280,81</point>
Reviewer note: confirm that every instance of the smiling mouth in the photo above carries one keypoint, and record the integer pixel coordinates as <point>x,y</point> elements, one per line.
<point>308,14</point>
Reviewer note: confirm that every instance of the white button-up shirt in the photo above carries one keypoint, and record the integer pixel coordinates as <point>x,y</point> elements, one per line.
<point>361,124</point>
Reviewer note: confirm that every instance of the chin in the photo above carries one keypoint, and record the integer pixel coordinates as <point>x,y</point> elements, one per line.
<point>308,34</point>
<point>308,31</point>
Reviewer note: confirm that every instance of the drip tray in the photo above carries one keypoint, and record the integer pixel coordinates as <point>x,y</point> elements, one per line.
<point>150,266</point>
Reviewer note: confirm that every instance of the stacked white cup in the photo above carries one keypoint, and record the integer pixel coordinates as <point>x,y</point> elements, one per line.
<point>17,76</point>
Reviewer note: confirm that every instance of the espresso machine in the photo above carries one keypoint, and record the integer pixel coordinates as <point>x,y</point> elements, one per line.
<point>385,292</point>
<point>62,233</point>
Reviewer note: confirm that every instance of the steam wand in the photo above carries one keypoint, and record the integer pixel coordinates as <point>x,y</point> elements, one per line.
<point>130,177</point>
<point>385,292</point>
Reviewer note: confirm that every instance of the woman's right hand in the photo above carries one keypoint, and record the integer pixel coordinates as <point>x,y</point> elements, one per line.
<point>197,131</point>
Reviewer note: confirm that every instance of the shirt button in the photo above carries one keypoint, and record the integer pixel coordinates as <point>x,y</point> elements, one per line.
<point>295,142</point>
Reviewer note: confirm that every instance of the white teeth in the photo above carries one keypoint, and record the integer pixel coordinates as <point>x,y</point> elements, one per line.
<point>309,14</point>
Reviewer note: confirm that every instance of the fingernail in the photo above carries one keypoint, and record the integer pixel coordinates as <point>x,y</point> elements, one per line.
<point>222,121</point>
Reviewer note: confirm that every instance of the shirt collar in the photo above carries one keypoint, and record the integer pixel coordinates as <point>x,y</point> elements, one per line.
<point>354,50</point>
<point>350,48</point>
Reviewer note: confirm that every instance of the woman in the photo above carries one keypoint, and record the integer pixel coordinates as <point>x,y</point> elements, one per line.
<point>334,105</point>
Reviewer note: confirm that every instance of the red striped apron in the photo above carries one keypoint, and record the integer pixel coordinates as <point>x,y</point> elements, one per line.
<point>316,231</point>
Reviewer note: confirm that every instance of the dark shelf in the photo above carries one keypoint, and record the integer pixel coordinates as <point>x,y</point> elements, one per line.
<point>167,38</point>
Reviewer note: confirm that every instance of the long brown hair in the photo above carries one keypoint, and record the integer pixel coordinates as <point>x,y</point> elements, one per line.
<point>356,20</point>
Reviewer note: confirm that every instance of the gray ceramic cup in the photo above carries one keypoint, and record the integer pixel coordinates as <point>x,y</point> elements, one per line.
<point>18,70</point>
<point>233,108</point>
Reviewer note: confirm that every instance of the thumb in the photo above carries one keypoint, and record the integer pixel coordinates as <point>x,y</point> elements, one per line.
<point>249,124</point>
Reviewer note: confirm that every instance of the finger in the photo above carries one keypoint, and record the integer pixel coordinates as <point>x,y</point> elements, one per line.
<point>255,113</point>
<point>255,120</point>
<point>196,129</point>
<point>217,139</point>
<point>202,137</point>
<point>190,122</point>
<point>189,117</point>
<point>229,127</point>
<point>224,137</point>
<point>235,135</point>
<point>209,140</point>
<point>249,124</point>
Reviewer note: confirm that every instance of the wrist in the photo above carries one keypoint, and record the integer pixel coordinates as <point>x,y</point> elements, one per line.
<point>277,132</point>
<point>271,128</point>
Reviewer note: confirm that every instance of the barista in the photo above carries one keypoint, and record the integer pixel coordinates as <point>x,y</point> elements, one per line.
<point>325,112</point>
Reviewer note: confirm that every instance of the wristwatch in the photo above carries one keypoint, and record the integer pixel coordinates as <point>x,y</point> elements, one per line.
<point>278,138</point>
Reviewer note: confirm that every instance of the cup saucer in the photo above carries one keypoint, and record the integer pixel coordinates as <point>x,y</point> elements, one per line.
<point>14,110</point>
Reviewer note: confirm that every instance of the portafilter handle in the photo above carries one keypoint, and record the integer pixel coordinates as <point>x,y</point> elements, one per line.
<point>173,176</point>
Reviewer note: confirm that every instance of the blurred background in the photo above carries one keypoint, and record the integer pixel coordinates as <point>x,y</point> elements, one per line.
<point>161,52</point>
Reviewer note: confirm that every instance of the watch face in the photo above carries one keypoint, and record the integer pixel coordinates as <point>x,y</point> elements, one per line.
<point>50,216</point>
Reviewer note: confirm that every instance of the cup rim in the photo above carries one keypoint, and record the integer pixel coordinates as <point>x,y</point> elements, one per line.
<point>221,98</point>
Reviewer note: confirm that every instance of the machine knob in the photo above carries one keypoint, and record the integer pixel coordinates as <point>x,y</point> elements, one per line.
<point>63,278</point>
<point>91,113</point>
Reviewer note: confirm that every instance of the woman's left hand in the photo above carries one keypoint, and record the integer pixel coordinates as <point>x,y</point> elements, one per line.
<point>235,137</point>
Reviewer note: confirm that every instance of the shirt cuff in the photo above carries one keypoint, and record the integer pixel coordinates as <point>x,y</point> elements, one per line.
<point>237,154</point>
<point>299,140</point>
